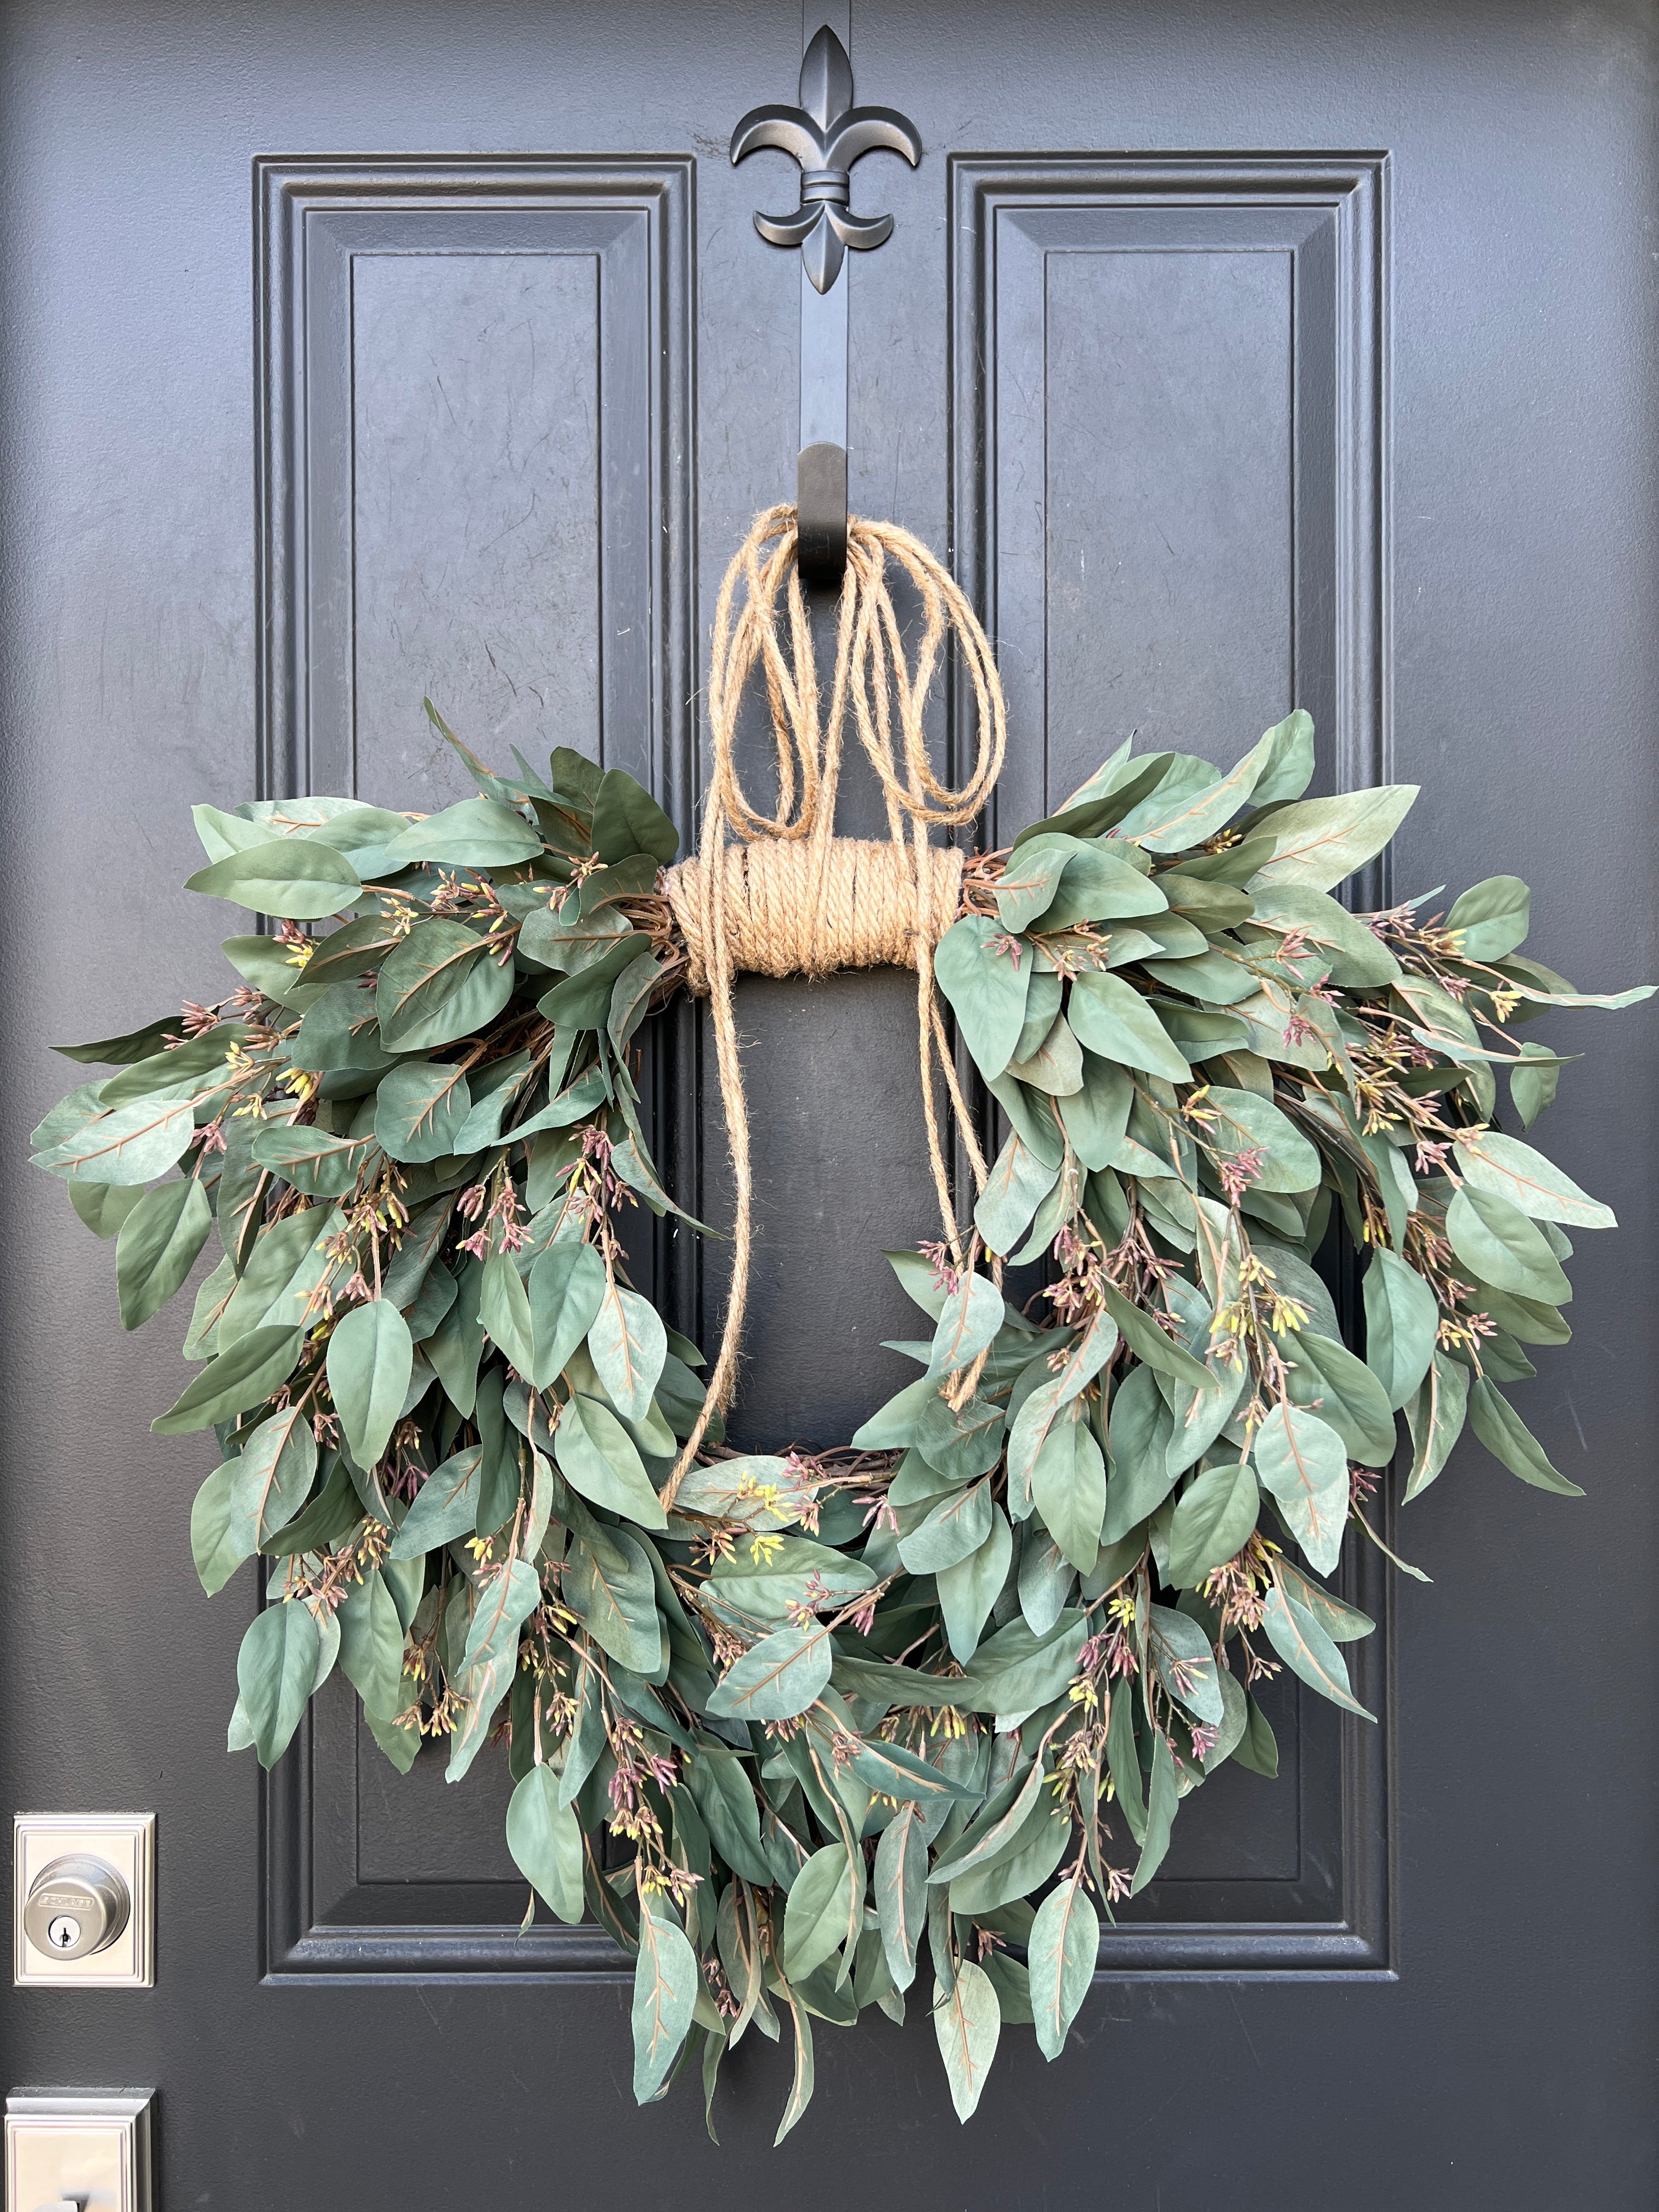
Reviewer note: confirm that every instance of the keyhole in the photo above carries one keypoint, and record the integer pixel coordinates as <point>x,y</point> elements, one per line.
<point>64,1933</point>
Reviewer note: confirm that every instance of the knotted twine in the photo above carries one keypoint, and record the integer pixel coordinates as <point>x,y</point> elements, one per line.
<point>780,894</point>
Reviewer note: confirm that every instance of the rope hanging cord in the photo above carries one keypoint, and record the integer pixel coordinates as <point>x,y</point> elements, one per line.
<point>780,894</point>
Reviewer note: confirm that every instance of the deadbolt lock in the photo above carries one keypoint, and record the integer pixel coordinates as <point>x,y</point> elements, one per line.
<point>84,1901</point>
<point>77,1906</point>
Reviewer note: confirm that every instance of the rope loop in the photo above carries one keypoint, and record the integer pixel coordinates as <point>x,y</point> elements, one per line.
<point>780,893</point>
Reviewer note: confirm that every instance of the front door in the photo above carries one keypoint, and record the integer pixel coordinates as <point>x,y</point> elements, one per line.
<point>1236,359</point>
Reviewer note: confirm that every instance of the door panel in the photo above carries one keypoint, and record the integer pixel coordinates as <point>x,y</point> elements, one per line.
<point>472,397</point>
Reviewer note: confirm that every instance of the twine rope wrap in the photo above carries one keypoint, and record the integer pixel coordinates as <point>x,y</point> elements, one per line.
<point>787,914</point>
<point>788,896</point>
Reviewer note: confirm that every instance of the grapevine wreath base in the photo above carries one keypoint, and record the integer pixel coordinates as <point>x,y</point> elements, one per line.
<point>785,1724</point>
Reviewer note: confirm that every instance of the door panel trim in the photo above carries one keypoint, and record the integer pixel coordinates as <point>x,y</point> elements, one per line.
<point>635,217</point>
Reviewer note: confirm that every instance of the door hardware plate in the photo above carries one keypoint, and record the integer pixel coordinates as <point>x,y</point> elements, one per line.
<point>89,2149</point>
<point>127,1842</point>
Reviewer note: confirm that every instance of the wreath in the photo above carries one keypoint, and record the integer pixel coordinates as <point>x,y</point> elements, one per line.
<point>781,1723</point>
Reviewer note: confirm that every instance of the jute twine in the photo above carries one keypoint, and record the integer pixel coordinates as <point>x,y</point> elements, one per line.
<point>780,894</point>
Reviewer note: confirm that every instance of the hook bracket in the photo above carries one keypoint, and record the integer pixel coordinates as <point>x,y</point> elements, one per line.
<point>826,135</point>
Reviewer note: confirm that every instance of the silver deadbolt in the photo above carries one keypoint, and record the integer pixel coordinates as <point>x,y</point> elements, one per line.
<point>76,1905</point>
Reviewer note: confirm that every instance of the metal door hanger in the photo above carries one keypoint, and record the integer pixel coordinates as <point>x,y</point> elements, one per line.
<point>826,134</point>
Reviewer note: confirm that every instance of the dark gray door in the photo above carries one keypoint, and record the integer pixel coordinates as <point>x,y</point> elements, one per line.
<point>357,351</point>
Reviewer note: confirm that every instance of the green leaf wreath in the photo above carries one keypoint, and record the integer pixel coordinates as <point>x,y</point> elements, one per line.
<point>943,1688</point>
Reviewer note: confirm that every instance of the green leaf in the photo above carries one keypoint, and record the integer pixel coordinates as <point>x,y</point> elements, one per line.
<point>582,1001</point>
<point>1163,1798</point>
<point>339,1031</point>
<point>1142,1426</point>
<point>332,1513</point>
<point>1301,1461</point>
<point>370,1357</point>
<point>996,1832</point>
<point>567,1288</point>
<point>285,876</point>
<point>666,1980</point>
<point>1244,1122</point>
<point>504,1309</point>
<point>441,983</point>
<point>134,1144</point>
<point>627,819</point>
<point>955,1529</point>
<point>888,1770</point>
<point>1493,916</point>
<point>726,1799</point>
<point>273,1477</point>
<point>770,1588</point>
<point>1185,1663</point>
<point>1321,841</point>
<point>344,954</point>
<point>372,1647</point>
<point>968,1590</point>
<point>961,1444</point>
<point>901,1891</point>
<point>777,1678</point>
<point>609,1586</point>
<point>1068,1487</point>
<point>1533,1082</point>
<point>1325,1377</point>
<point>985,988</point>
<point>1150,1343</point>
<point>597,1456</point>
<point>180,1072</point>
<point>241,1377</point>
<point>214,1545</point>
<point>1508,1439</point>
<point>104,1205</point>
<point>1189,817</point>
<point>1111,1018</point>
<point>1435,1418</point>
<point>275,1670</point>
<point>286,1266</point>
<point>967,2022</point>
<point>1014,1671</point>
<point>1402,1317</point>
<point>1357,959</point>
<point>800,2087</point>
<point>1062,1949</point>
<point>819,1913</point>
<point>455,1346</point>
<point>968,1322</point>
<point>1214,1521</point>
<point>1057,881</point>
<point>420,1109</point>
<point>269,965</point>
<point>504,1598</point>
<point>1095,1117</point>
<point>1515,1173</point>
<point>1308,1651</point>
<point>1498,1242</point>
<point>1018,1184</point>
<point>546,1843</point>
<point>1343,1624</point>
<point>1289,767</point>
<point>629,1345</point>
<point>121,1051</point>
<point>321,1165</point>
<point>478,833</point>
<point>157,1248</point>
<point>445,1506</point>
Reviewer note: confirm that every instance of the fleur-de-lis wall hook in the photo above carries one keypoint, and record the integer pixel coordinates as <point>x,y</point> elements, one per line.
<point>826,134</point>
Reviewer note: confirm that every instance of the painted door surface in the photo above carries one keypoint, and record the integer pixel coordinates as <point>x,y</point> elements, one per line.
<point>1238,357</point>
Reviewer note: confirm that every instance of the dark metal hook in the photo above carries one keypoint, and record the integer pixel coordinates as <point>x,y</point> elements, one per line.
<point>826,134</point>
